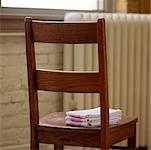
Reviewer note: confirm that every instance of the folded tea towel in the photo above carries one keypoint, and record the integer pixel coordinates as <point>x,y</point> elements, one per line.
<point>71,118</point>
<point>91,117</point>
<point>93,113</point>
<point>88,124</point>
<point>97,119</point>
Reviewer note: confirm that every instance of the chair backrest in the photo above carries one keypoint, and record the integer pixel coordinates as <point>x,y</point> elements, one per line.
<point>67,81</point>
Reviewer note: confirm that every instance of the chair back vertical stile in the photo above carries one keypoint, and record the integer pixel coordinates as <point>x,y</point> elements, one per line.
<point>33,97</point>
<point>104,101</point>
<point>51,129</point>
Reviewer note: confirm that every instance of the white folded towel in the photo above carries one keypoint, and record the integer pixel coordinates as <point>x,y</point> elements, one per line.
<point>91,117</point>
<point>70,118</point>
<point>88,124</point>
<point>93,113</point>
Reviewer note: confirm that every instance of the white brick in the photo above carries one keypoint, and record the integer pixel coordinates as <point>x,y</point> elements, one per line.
<point>19,96</point>
<point>11,85</point>
<point>12,109</point>
<point>1,72</point>
<point>51,67</point>
<point>10,45</point>
<point>14,136</point>
<point>42,59</point>
<point>46,95</point>
<point>45,107</point>
<point>14,105</point>
<point>13,96</point>
<point>24,84</point>
<point>13,60</point>
<point>1,57</point>
<point>56,59</point>
<point>43,48</point>
<point>1,86</point>
<point>12,72</point>
<point>4,98</point>
<point>16,121</point>
<point>48,48</point>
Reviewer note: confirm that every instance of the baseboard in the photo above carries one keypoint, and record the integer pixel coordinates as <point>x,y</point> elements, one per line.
<point>16,147</point>
<point>26,147</point>
<point>126,148</point>
<point>50,147</point>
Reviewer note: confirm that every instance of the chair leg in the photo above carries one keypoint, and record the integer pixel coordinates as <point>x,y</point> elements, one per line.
<point>34,146</point>
<point>58,147</point>
<point>132,143</point>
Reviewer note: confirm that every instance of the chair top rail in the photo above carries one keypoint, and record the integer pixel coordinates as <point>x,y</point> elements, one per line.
<point>64,32</point>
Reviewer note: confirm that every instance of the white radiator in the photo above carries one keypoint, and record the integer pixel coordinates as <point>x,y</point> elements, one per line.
<point>129,67</point>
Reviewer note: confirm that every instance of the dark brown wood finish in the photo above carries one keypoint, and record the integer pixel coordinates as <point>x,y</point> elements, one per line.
<point>73,82</point>
<point>55,33</point>
<point>33,97</point>
<point>102,57</point>
<point>51,129</point>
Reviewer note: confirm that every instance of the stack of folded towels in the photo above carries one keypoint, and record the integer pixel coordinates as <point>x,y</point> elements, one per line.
<point>91,117</point>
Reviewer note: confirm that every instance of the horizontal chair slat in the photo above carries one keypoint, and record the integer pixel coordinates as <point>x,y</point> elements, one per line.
<point>72,82</point>
<point>66,136</point>
<point>64,33</point>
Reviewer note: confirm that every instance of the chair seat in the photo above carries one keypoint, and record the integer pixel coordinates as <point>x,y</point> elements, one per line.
<point>56,121</point>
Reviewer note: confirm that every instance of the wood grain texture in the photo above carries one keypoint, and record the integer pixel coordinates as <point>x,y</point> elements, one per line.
<point>54,32</point>
<point>73,82</point>
<point>58,130</point>
<point>52,128</point>
<point>133,6</point>
<point>33,96</point>
<point>145,6</point>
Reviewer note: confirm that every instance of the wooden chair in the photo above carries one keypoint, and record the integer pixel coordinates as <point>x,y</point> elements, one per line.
<point>52,129</point>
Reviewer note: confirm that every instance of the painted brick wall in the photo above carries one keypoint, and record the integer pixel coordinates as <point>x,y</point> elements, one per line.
<point>14,111</point>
